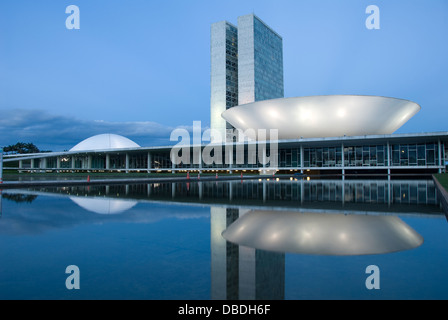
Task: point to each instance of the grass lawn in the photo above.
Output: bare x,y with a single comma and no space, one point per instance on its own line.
443,179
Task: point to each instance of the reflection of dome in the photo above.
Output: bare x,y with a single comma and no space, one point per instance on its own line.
323,234
323,116
103,205
103,142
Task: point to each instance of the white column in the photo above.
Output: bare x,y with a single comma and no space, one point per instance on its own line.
43,163
388,160
127,162
230,158
343,161
200,159
1,172
264,158
302,157
149,162
107,161
440,156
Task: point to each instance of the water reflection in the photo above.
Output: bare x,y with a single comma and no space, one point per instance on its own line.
322,234
239,272
253,225
104,205
18,198
380,195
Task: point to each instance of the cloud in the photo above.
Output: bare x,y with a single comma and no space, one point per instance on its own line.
58,132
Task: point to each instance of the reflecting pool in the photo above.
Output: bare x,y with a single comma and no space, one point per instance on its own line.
255,239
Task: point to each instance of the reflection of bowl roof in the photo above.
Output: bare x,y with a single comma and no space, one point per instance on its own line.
323,234
104,142
104,205
323,116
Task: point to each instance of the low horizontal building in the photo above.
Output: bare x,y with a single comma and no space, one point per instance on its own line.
419,153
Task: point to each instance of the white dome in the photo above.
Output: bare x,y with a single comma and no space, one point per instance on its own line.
103,142
323,116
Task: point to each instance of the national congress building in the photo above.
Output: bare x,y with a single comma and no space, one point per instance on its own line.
338,134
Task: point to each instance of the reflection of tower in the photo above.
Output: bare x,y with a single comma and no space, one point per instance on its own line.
262,274
239,272
224,256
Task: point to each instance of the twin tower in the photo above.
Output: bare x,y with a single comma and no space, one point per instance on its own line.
246,66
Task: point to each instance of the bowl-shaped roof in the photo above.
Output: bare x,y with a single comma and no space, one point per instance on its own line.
104,142
322,116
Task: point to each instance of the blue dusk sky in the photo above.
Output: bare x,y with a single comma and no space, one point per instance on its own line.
141,68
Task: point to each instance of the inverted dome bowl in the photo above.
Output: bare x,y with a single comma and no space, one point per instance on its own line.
322,116
104,205
335,234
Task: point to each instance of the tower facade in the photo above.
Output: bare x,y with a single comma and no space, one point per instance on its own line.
260,61
246,66
224,73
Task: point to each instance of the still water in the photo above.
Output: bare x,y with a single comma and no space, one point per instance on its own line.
226,240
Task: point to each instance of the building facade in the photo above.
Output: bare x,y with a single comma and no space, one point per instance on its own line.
422,153
224,73
246,66
260,61
246,72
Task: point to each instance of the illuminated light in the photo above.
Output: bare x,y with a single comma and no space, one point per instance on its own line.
306,234
341,113
323,116
305,115
273,113
308,178
241,121
290,178
278,179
